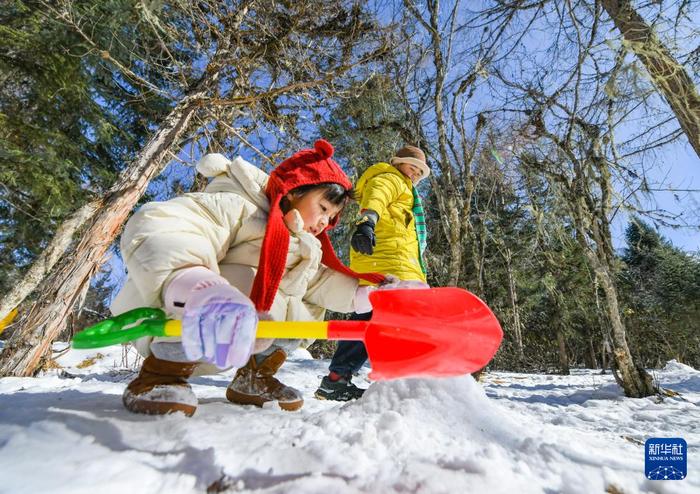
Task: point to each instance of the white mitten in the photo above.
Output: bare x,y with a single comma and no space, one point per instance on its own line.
361,301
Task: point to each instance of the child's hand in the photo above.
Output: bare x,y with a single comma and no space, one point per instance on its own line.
364,240
219,326
390,281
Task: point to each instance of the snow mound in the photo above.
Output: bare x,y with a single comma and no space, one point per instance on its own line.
674,366
457,407
402,431
301,354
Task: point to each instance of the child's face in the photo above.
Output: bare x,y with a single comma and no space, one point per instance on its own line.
411,171
316,211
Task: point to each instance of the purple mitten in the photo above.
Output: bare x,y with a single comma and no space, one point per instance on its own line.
219,326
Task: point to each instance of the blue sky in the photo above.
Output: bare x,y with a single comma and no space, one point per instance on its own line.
681,167
674,166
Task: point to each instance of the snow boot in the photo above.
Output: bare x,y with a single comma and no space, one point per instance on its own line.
255,384
342,389
161,388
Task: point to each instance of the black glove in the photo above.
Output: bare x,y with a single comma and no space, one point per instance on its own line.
364,239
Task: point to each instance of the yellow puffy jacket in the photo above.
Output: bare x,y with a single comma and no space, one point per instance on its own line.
384,189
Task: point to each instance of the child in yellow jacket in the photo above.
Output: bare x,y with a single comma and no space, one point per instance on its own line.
389,238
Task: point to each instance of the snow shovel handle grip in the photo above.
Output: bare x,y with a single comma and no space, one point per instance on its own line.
146,321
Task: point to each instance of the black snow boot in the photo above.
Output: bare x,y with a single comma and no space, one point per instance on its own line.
340,390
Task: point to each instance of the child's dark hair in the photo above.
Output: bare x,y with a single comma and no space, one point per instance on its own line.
332,192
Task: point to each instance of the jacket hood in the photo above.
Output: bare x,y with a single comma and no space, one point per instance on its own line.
236,176
373,171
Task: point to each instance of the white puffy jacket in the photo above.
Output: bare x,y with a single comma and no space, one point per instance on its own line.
222,229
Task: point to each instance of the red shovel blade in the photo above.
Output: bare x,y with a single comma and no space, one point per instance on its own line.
437,332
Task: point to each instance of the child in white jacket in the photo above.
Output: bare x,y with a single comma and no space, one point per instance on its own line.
248,247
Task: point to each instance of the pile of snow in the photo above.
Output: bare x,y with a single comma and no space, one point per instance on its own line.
66,431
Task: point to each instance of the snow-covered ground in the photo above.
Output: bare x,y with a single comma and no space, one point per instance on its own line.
67,431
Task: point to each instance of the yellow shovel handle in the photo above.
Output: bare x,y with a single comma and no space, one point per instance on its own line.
8,319
271,329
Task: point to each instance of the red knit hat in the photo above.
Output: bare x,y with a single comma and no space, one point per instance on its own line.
307,167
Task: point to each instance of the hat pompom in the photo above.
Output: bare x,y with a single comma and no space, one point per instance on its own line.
324,148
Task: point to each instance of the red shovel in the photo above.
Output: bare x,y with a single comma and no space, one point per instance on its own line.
432,332
423,332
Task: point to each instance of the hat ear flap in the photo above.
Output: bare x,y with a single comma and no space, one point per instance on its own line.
273,258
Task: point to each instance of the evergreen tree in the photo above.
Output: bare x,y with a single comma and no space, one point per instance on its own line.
68,122
661,284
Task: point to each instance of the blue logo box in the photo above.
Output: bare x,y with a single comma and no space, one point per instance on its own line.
666,458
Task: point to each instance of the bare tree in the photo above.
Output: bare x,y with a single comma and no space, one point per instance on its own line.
572,121
588,192
439,98
571,82
669,77
494,194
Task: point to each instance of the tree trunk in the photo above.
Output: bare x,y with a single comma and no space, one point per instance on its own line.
593,223
635,381
563,355
452,203
606,352
589,355
590,217
480,259
513,295
455,243
668,75
39,327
